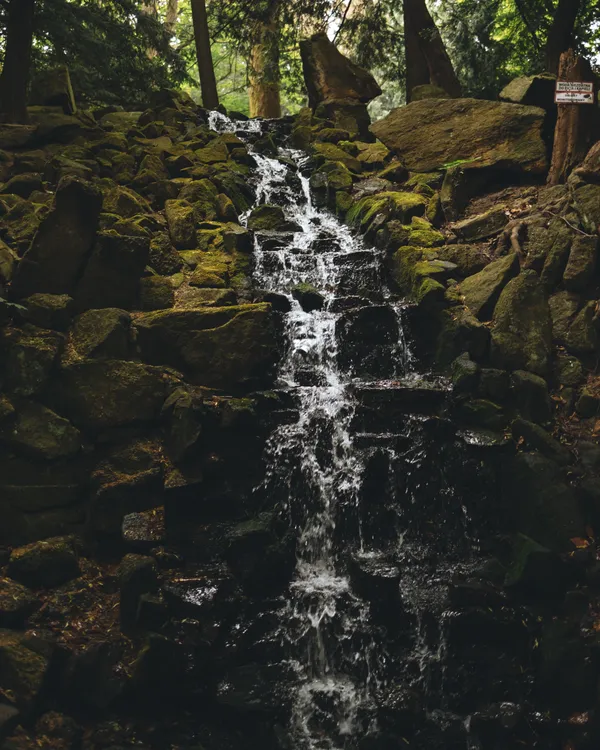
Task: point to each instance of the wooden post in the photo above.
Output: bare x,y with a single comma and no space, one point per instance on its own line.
574,134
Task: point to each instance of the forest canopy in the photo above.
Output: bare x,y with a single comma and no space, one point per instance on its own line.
118,51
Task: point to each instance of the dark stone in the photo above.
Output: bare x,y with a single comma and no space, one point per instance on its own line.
144,530
308,297
30,359
113,272
465,374
17,603
53,311
45,564
63,242
367,337
137,576
531,396
537,438
102,334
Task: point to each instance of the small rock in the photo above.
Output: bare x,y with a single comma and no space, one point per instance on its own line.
482,226
102,334
137,576
308,297
41,433
51,311
145,530
45,564
23,185
17,603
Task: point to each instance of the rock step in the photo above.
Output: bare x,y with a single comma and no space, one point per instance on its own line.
381,406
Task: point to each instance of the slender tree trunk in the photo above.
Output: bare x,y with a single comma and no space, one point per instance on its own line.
576,125
171,15
265,99
17,61
417,69
422,28
561,35
206,70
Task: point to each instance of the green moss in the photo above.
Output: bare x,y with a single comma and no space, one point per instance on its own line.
394,205
329,152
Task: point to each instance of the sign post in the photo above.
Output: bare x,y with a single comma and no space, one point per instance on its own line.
574,92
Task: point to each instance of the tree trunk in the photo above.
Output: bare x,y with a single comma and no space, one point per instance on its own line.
423,32
417,70
561,35
265,100
206,70
576,123
171,16
17,61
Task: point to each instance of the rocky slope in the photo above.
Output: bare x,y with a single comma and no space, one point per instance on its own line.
138,366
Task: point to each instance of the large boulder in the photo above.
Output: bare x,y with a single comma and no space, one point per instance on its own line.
44,564
228,347
39,432
330,75
112,275
522,334
98,394
434,133
63,242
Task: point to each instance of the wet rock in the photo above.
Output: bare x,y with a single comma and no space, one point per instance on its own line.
53,311
17,603
267,218
253,688
375,579
112,275
581,267
330,75
366,338
544,506
102,334
63,243
522,336
278,302
537,438
417,133
227,347
40,433
261,557
482,291
531,396
45,564
308,297
137,576
482,226
31,356
99,394
23,671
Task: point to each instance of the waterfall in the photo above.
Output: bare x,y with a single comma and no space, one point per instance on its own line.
349,474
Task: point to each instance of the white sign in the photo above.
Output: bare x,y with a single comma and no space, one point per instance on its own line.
574,92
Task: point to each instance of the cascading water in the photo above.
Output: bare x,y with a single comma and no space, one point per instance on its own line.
358,534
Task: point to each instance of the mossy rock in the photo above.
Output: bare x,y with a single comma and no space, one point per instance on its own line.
181,220
225,209
301,137
461,332
582,337
53,311
202,195
266,218
24,671
44,564
332,135
156,293
216,151
482,291
101,334
40,433
124,202
469,259
522,335
98,394
394,172
31,354
229,347
372,156
329,152
563,309
393,205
